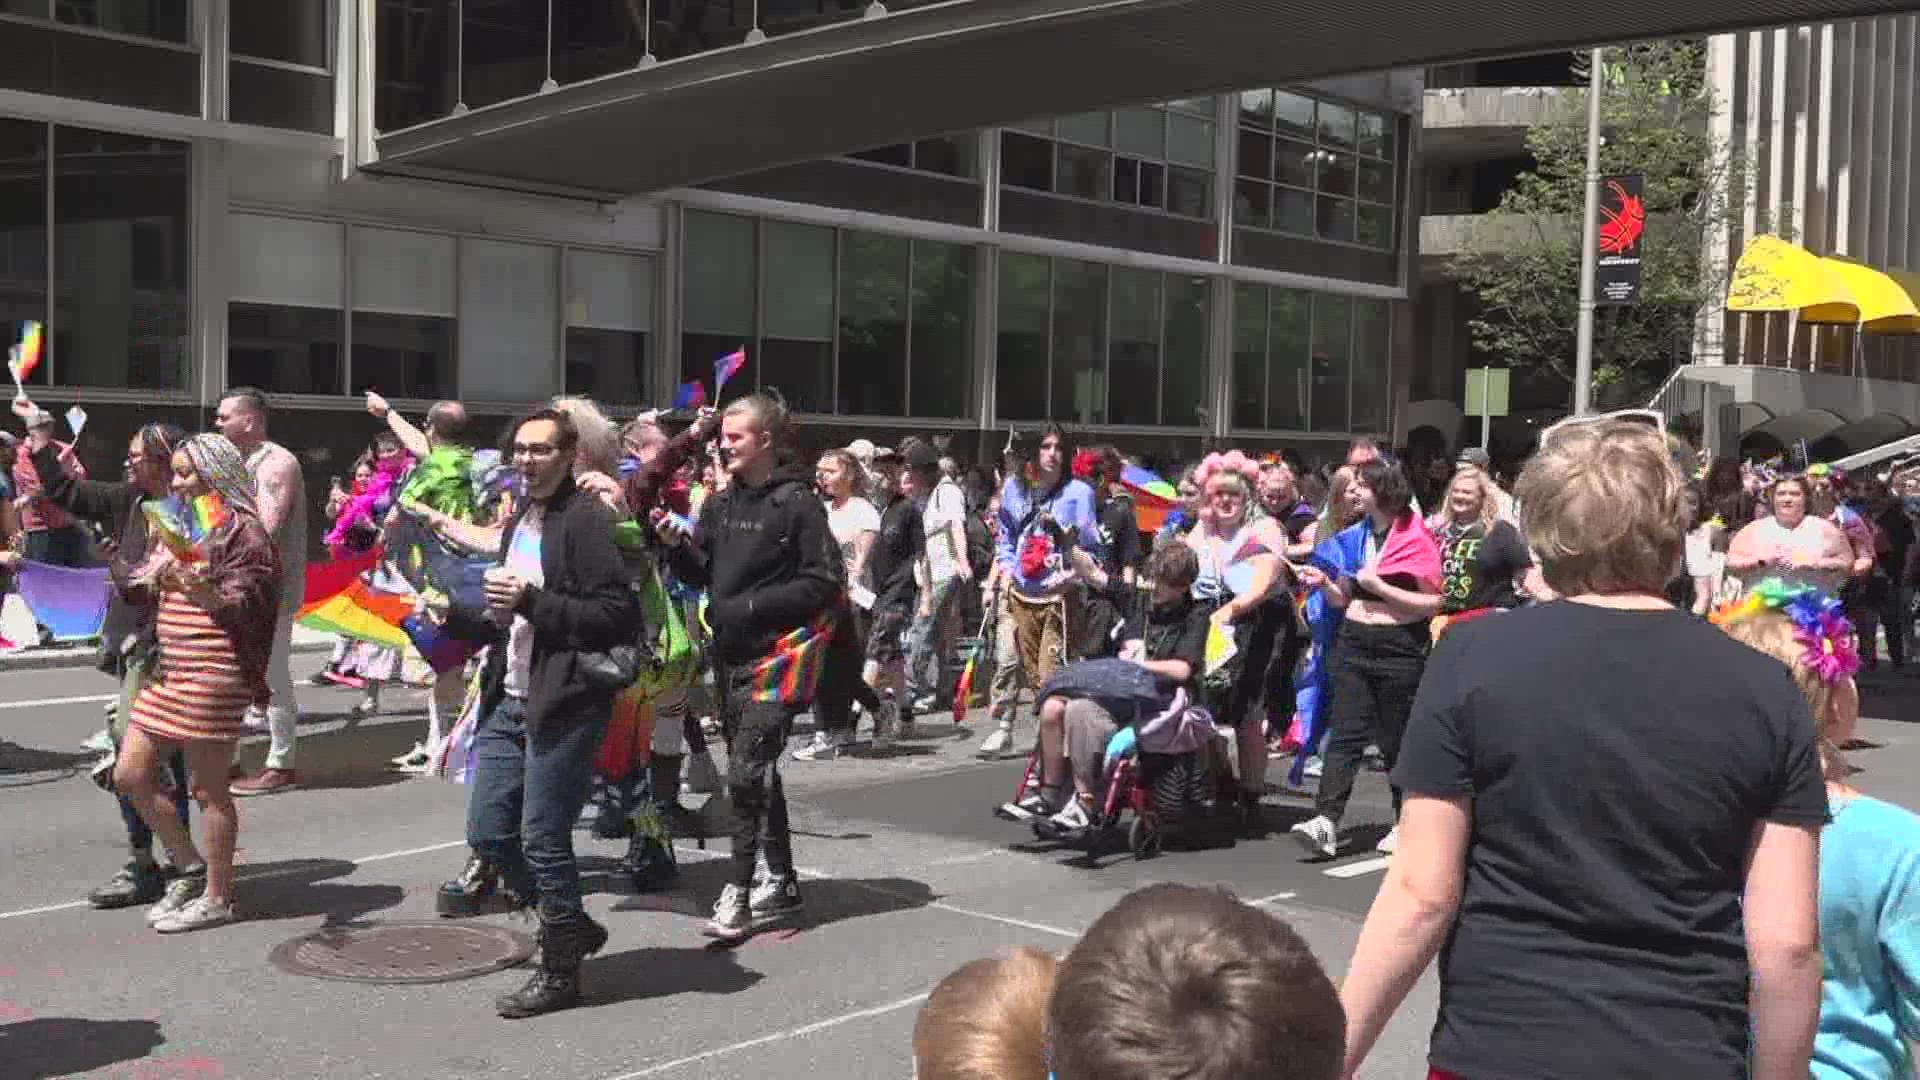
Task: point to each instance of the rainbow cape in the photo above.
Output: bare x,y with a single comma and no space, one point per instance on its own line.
338,599
1152,497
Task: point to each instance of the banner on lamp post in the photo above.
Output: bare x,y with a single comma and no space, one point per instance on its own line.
1622,222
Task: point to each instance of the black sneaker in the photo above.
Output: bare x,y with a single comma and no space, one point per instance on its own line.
136,883
775,898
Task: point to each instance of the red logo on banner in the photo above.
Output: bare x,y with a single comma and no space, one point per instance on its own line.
1622,219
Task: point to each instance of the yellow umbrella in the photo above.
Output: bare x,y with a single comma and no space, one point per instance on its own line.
1773,275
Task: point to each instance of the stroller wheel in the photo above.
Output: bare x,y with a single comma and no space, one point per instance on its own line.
1143,838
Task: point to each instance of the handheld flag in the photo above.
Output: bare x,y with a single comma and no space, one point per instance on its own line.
727,367
76,420
691,395
24,357
184,527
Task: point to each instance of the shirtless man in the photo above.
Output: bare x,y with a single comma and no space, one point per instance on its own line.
242,418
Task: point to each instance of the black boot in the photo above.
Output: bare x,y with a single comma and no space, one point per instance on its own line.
140,882
1253,819
565,941
664,775
650,862
466,894
616,800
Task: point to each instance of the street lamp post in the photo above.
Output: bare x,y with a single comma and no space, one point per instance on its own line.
1589,240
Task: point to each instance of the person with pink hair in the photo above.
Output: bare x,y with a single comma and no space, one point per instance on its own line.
1243,573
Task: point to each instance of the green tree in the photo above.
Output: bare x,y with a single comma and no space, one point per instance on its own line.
1523,259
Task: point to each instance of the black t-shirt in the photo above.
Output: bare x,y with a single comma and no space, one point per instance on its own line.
1176,631
1478,565
1119,535
1618,763
900,540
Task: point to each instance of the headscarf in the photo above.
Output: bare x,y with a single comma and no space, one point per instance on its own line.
223,468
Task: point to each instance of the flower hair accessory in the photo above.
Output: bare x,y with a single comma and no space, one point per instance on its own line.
1820,625
1085,464
1233,461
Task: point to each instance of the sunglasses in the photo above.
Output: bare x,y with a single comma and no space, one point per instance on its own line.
1652,418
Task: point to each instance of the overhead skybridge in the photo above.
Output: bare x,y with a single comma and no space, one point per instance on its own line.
664,93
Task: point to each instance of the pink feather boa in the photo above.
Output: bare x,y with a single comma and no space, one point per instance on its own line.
386,478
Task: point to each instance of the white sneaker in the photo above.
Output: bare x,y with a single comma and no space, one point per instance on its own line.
198,915
415,757
1320,836
255,719
1072,820
181,891
732,915
1035,807
1389,842
824,747
1315,765
997,743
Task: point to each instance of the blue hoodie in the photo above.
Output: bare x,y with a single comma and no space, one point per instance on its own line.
1071,509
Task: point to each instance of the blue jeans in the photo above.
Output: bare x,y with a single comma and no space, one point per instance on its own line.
925,673
528,788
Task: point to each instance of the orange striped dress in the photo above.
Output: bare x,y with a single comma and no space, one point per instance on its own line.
197,690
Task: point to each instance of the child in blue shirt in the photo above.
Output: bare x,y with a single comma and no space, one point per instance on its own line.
1869,852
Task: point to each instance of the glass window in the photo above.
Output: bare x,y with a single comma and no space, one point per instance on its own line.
403,356
1082,172
1293,114
1375,181
1376,135
1256,108
949,155
1198,106
401,272
1292,211
1294,163
1183,360
1332,345
1026,161
275,260
1079,377
1249,356
1336,174
898,154
609,312
1373,225
717,279
23,230
1290,321
163,19
290,30
286,350
1336,125
1189,193
1142,132
1333,218
1134,354
415,55
1252,204
941,345
121,255
509,298
1190,141
874,271
797,321
1372,358
1020,364
1256,154
1089,128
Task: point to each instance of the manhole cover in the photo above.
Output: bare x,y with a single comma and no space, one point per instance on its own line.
403,952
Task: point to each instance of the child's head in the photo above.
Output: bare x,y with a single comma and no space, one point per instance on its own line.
1190,982
1173,569
986,1021
1806,631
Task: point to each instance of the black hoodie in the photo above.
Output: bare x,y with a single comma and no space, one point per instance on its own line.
767,560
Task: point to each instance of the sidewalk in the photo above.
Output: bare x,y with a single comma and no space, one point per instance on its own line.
81,655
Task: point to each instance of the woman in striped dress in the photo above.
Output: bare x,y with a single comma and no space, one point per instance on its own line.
216,616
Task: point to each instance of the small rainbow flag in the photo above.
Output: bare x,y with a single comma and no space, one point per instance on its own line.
727,367
791,673
184,527
26,356
1152,497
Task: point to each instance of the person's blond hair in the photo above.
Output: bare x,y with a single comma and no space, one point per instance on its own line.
1604,509
599,446
987,1021
1489,504
1772,632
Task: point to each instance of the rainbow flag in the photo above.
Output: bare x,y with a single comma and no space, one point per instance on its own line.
727,367
184,527
25,357
791,673
70,603
441,652
338,600
691,395
1152,497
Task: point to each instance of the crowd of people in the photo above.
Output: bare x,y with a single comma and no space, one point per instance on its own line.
1611,704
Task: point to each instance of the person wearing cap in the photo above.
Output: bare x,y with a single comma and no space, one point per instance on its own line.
52,535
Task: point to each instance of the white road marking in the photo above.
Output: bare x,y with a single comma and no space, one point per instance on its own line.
1274,899
1358,869
38,702
778,1036
937,905
241,875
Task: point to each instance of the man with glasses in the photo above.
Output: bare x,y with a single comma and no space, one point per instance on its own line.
559,592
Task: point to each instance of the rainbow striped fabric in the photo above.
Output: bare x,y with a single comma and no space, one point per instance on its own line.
791,673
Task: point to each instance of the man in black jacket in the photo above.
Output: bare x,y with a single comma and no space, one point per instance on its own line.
770,566
560,591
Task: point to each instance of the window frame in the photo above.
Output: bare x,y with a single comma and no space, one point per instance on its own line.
1048,130
1248,122
1355,302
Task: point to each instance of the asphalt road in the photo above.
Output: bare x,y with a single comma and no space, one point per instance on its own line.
907,877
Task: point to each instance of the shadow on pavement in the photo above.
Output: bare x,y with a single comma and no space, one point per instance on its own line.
1890,695
24,765
658,971
302,888
62,1046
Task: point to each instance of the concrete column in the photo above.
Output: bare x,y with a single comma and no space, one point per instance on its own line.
1900,142
209,285
986,336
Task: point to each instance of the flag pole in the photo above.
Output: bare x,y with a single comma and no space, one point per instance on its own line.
1589,240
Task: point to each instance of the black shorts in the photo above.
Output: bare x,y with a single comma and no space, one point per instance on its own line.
887,631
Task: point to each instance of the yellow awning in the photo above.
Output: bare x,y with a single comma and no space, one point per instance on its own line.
1877,297
1773,275
1909,283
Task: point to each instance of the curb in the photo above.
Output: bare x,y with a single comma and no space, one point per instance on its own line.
56,659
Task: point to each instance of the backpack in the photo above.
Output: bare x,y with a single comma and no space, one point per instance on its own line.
670,660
